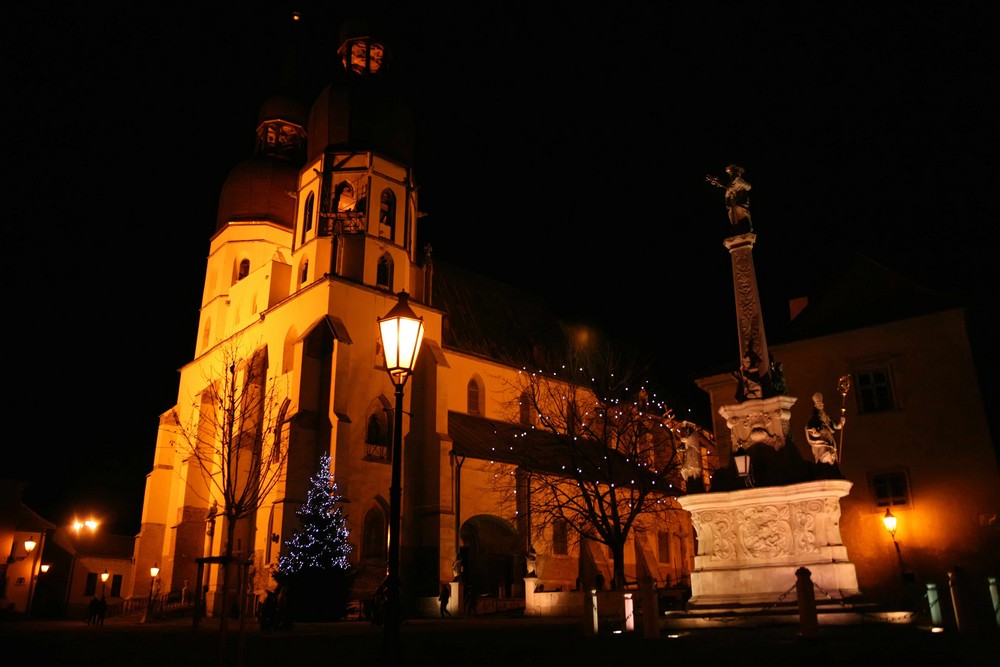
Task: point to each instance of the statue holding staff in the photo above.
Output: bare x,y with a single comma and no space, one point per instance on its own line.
737,197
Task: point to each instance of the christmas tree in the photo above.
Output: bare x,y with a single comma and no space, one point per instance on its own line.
314,566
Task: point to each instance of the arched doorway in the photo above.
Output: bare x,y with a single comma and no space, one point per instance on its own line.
491,553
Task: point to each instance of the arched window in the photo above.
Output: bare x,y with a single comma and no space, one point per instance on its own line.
304,276
375,534
378,431
307,215
244,269
383,272
387,214
474,398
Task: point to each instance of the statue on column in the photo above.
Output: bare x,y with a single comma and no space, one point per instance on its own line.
737,198
820,432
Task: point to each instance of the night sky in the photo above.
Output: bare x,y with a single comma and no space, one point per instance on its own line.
561,150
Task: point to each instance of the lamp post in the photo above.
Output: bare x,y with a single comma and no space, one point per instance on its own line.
104,581
401,333
889,521
153,571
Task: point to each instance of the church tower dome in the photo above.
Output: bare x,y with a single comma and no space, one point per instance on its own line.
258,188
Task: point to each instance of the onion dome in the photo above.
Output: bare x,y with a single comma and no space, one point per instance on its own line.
260,187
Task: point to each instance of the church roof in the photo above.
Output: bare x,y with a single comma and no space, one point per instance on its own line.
494,320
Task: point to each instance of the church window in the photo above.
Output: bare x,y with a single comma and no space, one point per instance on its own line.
244,269
307,215
663,547
474,397
383,272
304,275
375,534
560,537
527,410
387,214
377,435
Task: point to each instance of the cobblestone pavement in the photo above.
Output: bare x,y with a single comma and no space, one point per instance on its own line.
481,642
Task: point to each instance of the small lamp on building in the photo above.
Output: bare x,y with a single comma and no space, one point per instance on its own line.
401,333
889,521
29,545
104,580
45,567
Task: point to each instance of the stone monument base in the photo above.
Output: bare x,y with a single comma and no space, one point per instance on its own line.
752,541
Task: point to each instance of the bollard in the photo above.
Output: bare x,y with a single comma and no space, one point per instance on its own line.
591,616
954,583
808,622
934,603
995,596
629,613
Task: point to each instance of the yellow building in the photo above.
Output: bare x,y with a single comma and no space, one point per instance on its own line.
316,235
916,440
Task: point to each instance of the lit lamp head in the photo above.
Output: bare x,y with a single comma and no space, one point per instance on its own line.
30,544
890,522
742,461
45,567
105,575
401,332
153,571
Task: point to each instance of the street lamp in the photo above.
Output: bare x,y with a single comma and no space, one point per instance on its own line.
104,581
889,521
742,460
401,333
153,571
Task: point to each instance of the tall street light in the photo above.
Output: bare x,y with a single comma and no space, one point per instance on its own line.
153,571
104,581
401,333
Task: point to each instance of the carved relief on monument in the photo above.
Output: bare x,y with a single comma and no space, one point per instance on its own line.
765,531
716,534
759,421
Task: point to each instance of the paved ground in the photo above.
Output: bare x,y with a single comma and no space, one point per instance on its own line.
482,642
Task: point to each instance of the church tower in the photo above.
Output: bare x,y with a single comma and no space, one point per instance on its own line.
314,238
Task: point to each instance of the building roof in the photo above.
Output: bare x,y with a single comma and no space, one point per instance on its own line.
860,294
490,319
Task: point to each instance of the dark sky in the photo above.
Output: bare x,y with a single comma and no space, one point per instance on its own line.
562,150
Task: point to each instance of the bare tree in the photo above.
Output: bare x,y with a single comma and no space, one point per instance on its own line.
235,449
600,453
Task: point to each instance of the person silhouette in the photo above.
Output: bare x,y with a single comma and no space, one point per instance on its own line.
443,598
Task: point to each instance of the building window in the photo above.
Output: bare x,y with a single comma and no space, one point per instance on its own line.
377,437
91,585
663,547
375,534
474,406
890,489
387,214
560,537
116,586
244,270
307,215
527,410
304,276
383,272
874,391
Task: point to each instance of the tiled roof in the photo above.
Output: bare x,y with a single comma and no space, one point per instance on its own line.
862,293
494,320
